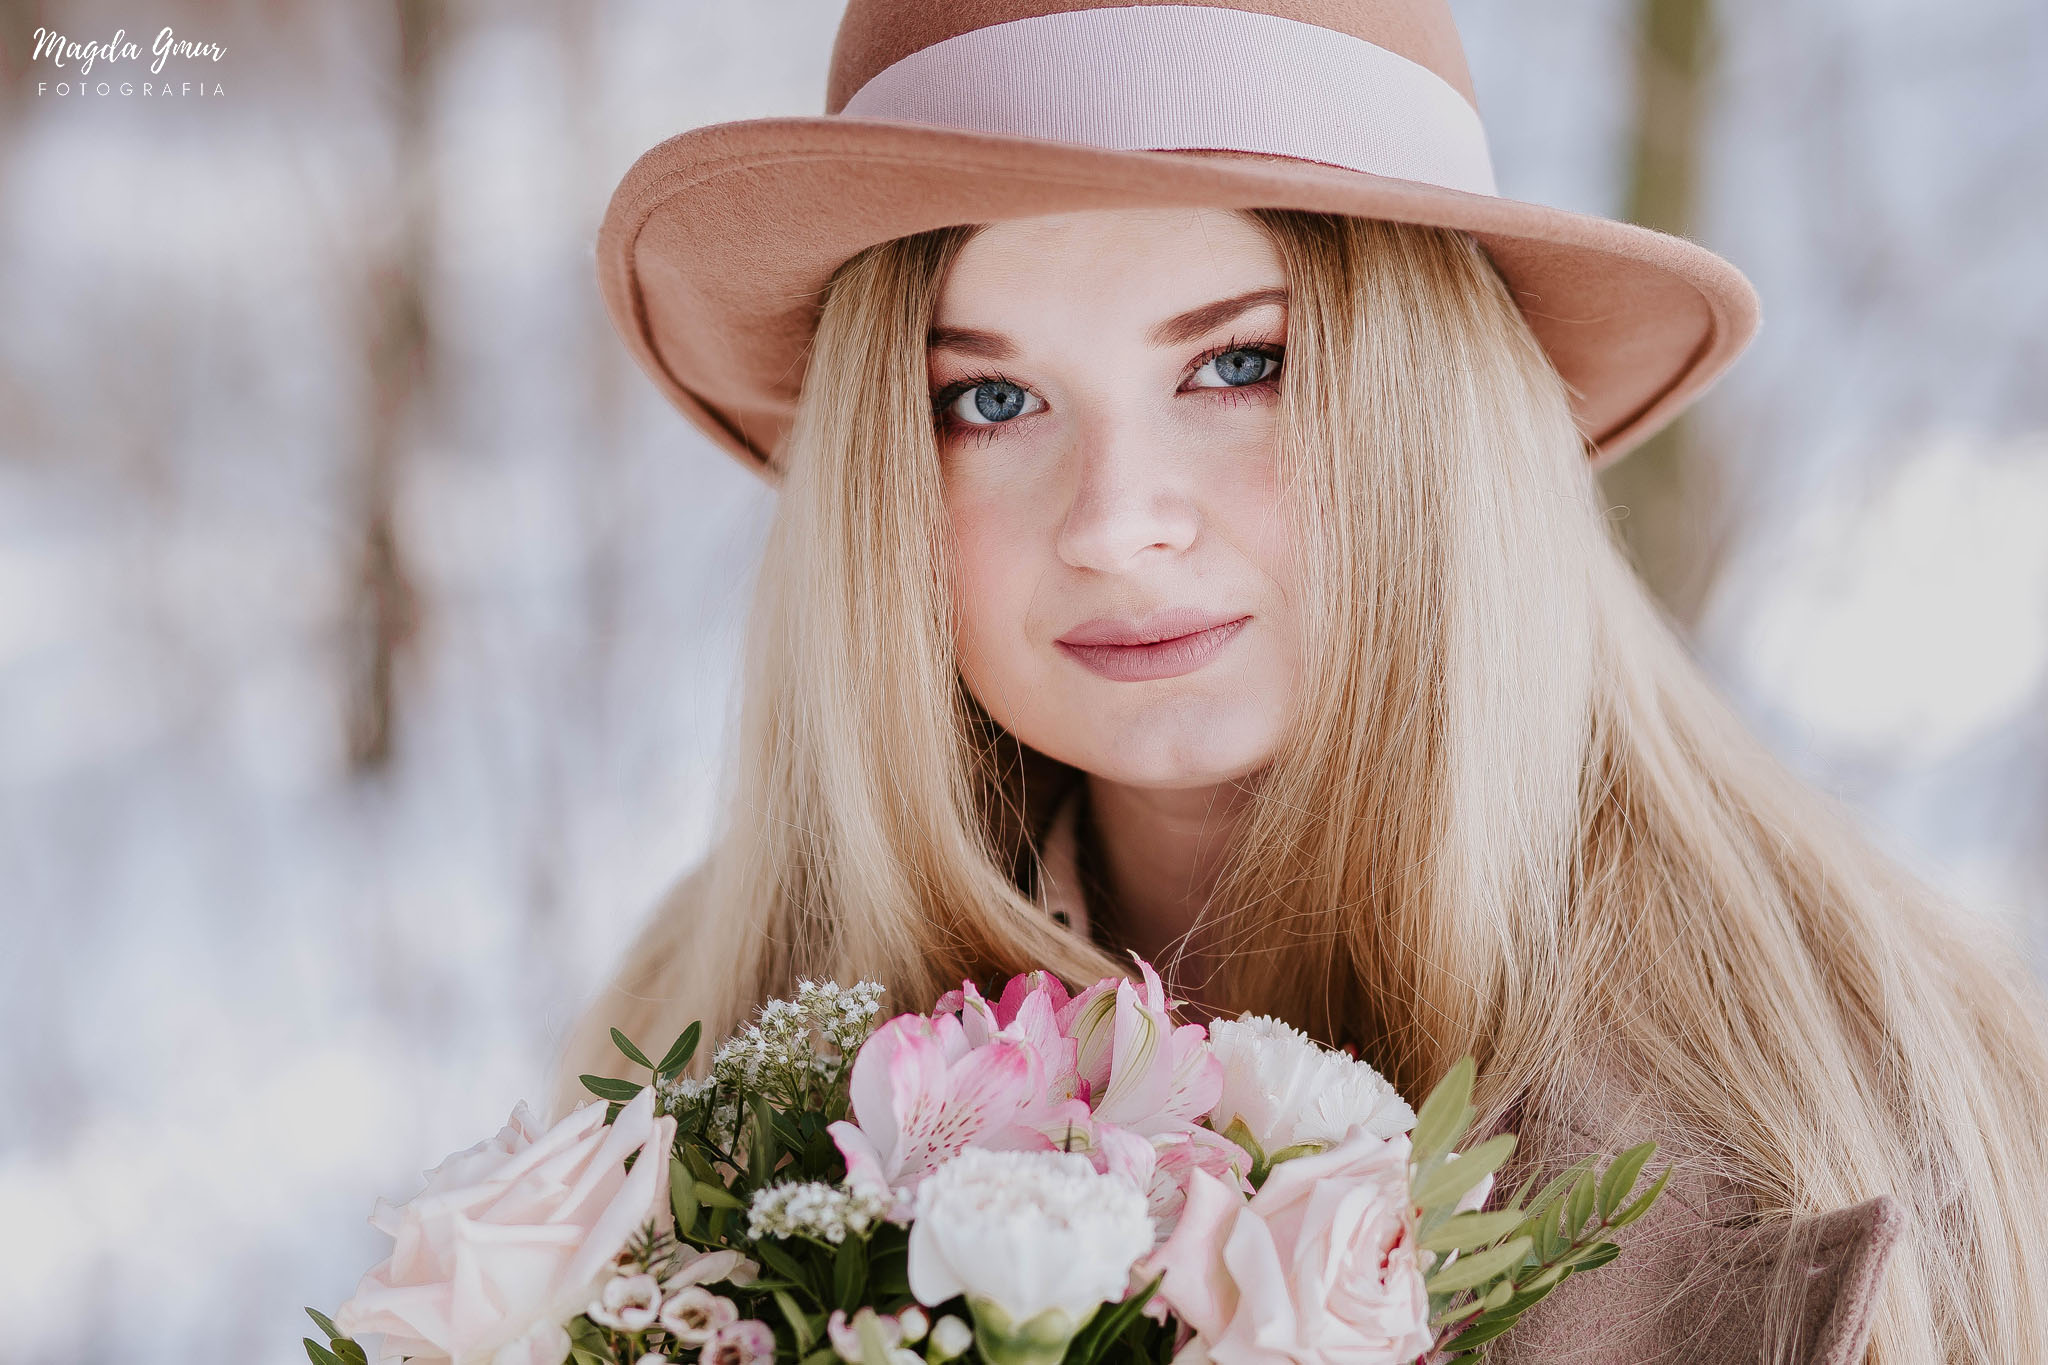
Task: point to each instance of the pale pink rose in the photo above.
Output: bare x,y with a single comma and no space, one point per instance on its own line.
512,1236
544,1343
1319,1267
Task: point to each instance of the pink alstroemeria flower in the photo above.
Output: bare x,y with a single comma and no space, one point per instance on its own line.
1142,1071
1027,1013
922,1094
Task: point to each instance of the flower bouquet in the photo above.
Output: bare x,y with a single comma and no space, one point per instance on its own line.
1039,1179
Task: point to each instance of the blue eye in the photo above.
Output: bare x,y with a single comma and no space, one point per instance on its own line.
993,401
1235,369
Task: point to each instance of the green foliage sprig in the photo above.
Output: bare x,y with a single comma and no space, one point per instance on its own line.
1491,1266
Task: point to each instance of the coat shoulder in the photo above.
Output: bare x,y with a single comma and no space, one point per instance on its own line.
1701,1277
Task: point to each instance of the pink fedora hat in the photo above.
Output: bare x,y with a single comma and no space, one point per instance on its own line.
716,245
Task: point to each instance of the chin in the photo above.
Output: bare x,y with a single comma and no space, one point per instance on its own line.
1187,752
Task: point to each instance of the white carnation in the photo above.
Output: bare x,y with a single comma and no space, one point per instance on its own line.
1289,1090
1025,1233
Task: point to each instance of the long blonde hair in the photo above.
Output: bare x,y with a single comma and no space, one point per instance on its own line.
1513,816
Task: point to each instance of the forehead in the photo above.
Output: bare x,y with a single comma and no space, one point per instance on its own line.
1141,265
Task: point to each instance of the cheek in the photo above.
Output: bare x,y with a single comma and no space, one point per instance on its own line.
995,567
1247,508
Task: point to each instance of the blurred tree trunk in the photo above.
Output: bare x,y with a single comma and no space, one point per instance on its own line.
1675,526
19,20
384,615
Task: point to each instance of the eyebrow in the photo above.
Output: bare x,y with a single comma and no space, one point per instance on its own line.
1177,330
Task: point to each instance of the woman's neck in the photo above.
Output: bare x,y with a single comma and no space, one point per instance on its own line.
1162,852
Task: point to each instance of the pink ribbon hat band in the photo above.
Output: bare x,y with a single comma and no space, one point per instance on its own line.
1175,77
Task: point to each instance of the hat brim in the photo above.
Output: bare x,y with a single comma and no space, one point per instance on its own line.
717,244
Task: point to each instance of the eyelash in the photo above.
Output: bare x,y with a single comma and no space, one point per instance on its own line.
982,433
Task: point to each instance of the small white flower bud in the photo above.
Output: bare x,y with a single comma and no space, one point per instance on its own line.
950,1337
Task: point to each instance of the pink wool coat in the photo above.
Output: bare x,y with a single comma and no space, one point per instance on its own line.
1694,1283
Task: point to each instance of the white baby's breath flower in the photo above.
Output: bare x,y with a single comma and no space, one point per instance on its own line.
681,1095
813,1208
842,1015
1035,1240
792,1043
1289,1090
628,1303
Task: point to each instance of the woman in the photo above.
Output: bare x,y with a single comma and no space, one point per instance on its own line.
1229,583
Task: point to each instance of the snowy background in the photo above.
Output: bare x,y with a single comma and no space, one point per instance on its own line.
367,622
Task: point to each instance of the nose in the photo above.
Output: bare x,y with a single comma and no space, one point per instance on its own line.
1130,498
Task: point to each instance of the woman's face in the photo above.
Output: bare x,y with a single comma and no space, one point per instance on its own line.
1107,387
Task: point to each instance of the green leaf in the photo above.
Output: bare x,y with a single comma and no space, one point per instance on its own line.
681,1051
700,1164
824,1355
682,1198
1467,1271
1526,1298
1621,1176
1479,1335
1298,1149
319,1354
1465,1231
1554,1188
633,1054
717,1196
324,1322
1241,1134
1642,1204
1584,1252
350,1353
610,1088
1542,1229
1579,1207
788,1131
1442,1119
799,1325
764,1153
1448,1183
850,1274
1602,1254
583,1355
888,1272
779,1260
1107,1325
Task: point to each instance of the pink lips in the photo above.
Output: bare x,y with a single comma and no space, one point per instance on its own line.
1165,645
